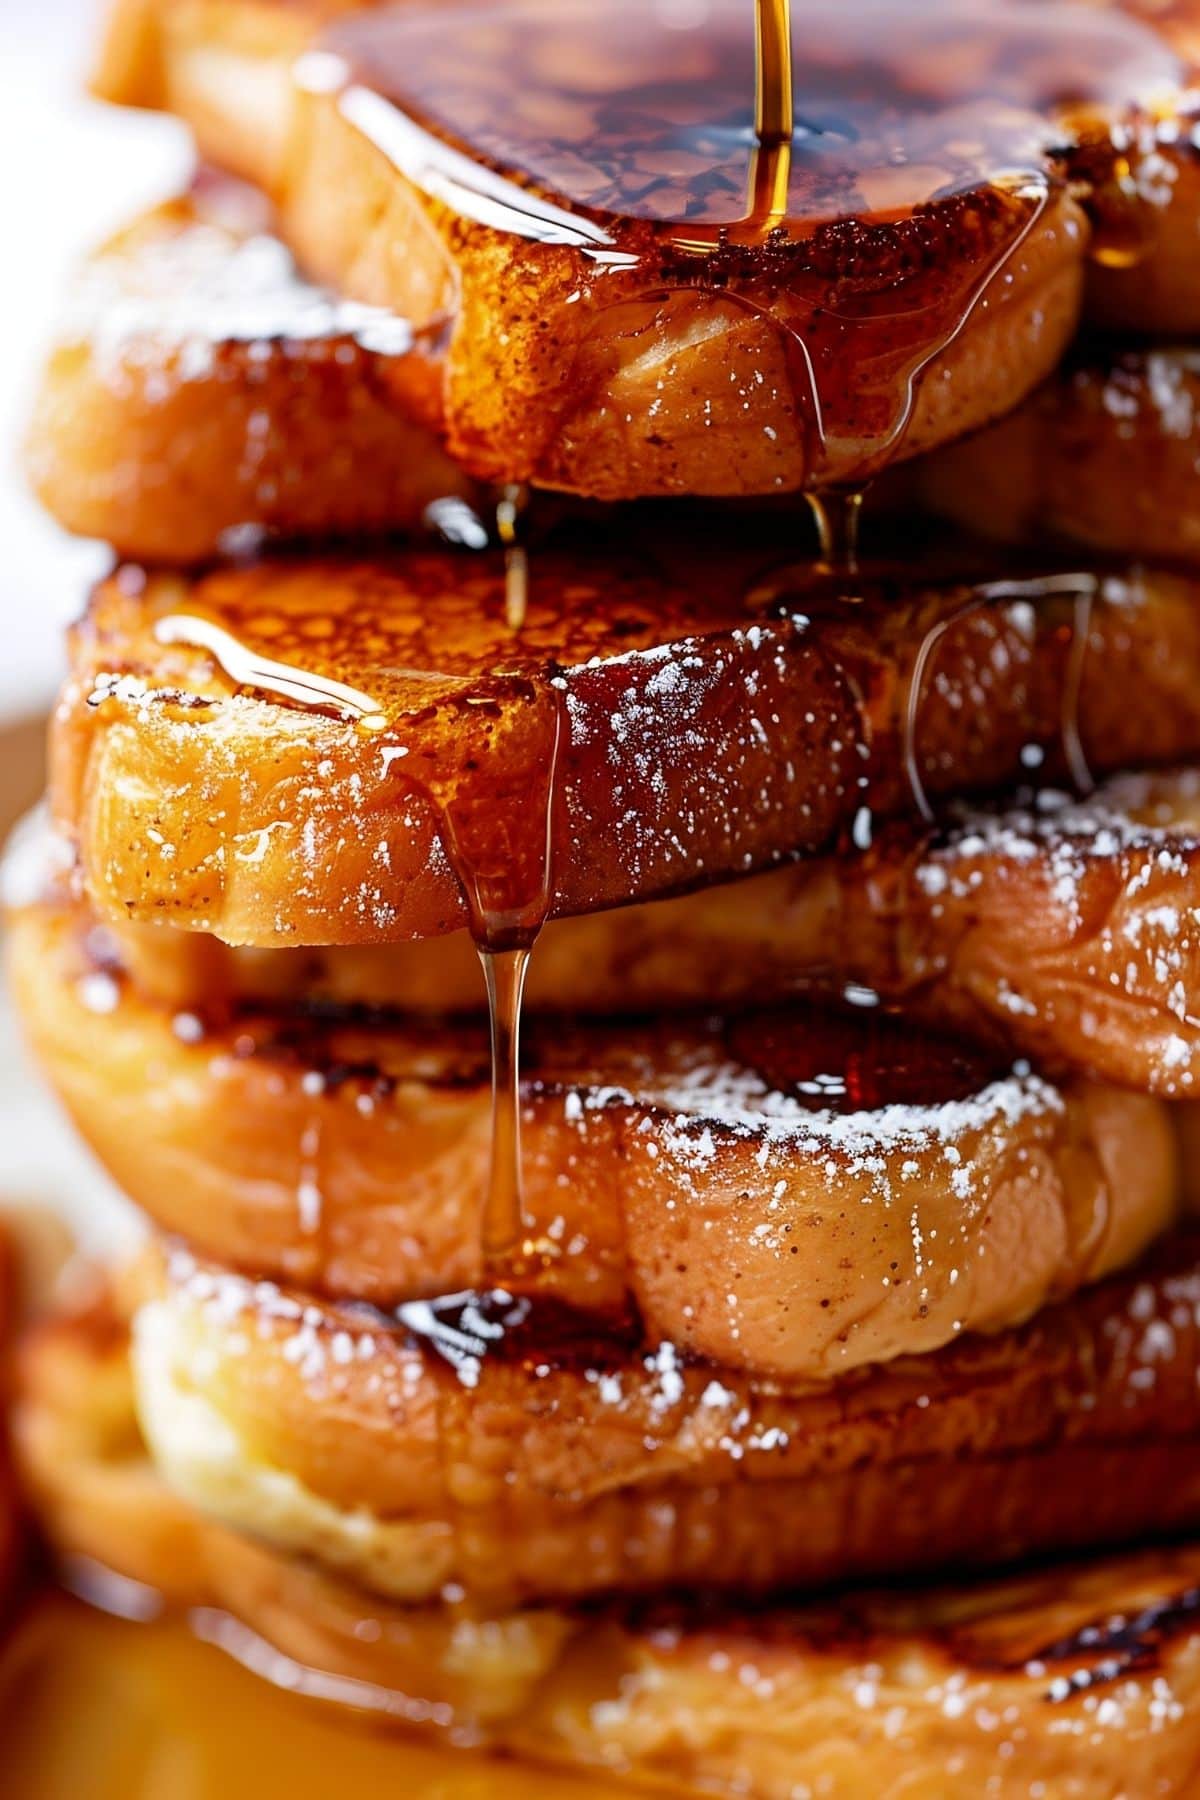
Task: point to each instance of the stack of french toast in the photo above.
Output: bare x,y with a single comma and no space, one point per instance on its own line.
622,885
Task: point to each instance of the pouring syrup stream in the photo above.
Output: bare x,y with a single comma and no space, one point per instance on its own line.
771,169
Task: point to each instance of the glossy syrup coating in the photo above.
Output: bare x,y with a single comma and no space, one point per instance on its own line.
788,1192
500,1448
666,311
1084,1673
645,341
669,716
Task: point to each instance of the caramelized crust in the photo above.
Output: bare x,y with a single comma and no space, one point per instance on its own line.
1105,454
1070,1678
541,388
655,725
787,1192
200,388
711,362
501,1447
1065,930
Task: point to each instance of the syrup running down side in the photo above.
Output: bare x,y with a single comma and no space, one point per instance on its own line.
498,845
634,175
485,772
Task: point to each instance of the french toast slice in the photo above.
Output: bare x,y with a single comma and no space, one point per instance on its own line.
1065,930
224,66
619,328
342,752
1103,454
201,392
1088,1673
506,1450
788,1192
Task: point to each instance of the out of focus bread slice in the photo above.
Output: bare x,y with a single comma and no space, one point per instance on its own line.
201,393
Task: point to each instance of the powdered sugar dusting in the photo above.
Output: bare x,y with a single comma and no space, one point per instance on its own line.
185,294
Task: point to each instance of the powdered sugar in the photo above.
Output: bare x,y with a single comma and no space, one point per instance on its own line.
181,296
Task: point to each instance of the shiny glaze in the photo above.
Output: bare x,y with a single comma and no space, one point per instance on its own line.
924,145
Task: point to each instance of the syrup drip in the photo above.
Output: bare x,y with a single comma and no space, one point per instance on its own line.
1080,589
865,215
511,509
508,887
499,847
1078,766
837,513
507,1237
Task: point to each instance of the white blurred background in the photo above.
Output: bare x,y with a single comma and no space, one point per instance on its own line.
72,170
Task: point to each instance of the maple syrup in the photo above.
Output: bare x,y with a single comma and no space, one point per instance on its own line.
865,208
521,807
159,1707
865,1060
499,845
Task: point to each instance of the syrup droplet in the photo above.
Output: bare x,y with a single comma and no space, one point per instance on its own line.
837,513
511,509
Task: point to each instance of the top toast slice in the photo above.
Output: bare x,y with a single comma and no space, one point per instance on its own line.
640,300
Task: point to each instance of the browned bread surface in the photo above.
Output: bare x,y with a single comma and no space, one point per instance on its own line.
201,391
680,711
502,1447
1064,929
787,1191
1085,1678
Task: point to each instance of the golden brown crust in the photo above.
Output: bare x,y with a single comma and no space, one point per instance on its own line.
671,1162
1060,929
551,1464
222,65
621,709
201,390
569,396
1104,454
1084,1672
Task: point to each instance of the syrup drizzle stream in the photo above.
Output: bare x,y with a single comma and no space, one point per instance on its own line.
771,166
1081,590
511,508
501,855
